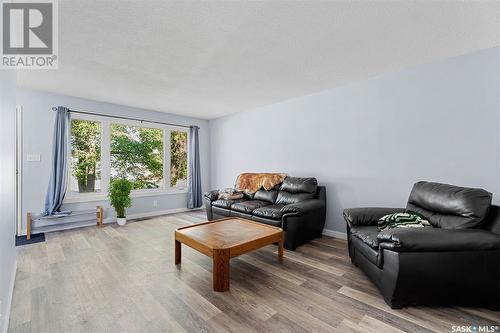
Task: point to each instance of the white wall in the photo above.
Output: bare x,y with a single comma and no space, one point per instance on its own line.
370,141
38,120
7,192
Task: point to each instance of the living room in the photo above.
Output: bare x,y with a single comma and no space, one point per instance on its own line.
250,166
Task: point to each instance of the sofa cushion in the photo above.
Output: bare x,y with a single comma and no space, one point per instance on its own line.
269,196
367,235
299,185
285,198
295,190
270,212
248,206
449,206
225,203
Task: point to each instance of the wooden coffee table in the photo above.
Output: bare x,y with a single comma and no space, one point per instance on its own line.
224,239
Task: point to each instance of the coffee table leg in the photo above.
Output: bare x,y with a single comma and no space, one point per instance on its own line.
280,251
221,269
177,252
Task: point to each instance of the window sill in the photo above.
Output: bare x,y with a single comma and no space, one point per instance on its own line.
133,194
153,193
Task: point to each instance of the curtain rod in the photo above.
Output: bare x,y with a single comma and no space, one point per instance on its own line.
126,118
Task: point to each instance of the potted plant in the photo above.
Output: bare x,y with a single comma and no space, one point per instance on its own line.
119,196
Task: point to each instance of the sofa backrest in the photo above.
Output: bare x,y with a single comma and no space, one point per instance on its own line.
448,206
294,189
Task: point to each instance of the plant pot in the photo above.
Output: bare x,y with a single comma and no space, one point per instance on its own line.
121,221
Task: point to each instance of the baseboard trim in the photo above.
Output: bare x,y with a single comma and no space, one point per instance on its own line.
335,234
5,327
153,214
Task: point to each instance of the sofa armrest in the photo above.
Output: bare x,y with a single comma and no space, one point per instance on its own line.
211,195
438,240
303,207
367,215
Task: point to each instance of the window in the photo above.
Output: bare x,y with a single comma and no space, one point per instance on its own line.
153,157
85,156
178,159
137,155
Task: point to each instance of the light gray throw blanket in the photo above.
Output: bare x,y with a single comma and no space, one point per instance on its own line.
230,194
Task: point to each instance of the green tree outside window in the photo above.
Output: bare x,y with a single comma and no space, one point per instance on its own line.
137,155
178,157
86,153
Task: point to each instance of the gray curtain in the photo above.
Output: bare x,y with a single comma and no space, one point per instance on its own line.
58,175
194,177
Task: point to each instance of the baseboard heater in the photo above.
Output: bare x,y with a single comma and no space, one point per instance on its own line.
39,223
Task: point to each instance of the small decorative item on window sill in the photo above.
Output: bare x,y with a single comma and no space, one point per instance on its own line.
61,222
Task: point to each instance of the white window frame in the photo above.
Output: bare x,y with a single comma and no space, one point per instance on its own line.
106,122
93,196
168,155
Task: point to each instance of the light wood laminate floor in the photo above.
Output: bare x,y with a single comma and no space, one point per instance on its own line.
123,279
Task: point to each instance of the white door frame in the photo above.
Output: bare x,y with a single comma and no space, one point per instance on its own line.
19,169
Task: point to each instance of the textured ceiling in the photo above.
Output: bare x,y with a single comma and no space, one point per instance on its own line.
209,59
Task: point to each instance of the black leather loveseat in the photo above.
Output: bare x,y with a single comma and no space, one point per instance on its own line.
298,205
456,261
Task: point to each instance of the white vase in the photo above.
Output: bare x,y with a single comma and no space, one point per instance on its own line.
121,220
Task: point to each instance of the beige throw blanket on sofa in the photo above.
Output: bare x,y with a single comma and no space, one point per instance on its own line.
252,182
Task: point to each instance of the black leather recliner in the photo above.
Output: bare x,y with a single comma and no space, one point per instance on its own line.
298,205
457,261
